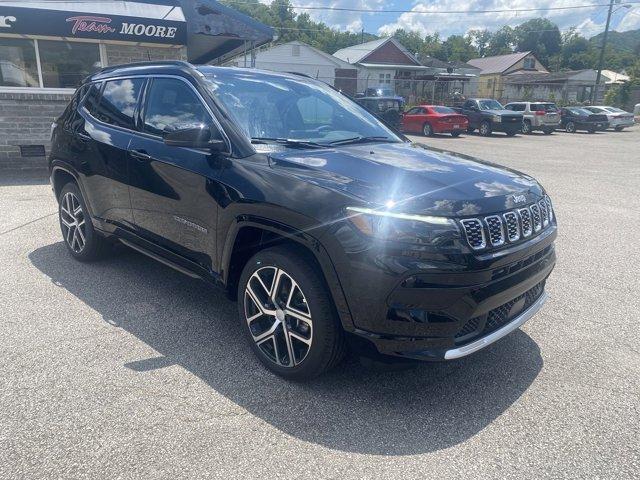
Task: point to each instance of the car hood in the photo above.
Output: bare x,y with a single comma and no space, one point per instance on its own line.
414,178
503,112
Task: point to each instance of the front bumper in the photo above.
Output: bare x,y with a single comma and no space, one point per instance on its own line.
438,315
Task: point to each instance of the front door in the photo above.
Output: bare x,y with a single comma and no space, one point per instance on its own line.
173,188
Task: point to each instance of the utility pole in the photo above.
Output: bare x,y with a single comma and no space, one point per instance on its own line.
594,93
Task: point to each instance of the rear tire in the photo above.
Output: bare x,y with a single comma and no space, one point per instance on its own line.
618,129
83,242
288,315
570,127
592,130
547,131
455,134
526,127
427,130
485,129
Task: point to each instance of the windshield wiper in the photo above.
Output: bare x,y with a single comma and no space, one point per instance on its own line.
288,142
361,139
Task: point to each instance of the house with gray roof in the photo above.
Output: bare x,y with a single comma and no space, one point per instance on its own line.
384,63
493,71
574,86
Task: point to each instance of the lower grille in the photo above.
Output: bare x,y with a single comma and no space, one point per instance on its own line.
499,316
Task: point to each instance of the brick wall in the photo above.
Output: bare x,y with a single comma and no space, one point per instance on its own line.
25,118
121,54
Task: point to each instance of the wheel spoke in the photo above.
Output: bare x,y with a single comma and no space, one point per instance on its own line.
70,234
80,235
298,315
66,222
287,339
254,298
276,284
299,337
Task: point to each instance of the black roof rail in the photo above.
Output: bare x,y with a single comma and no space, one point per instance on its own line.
302,75
151,63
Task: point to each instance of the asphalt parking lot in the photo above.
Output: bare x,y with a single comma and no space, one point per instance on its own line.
127,369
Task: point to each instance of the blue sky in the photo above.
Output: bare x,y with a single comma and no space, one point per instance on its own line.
589,21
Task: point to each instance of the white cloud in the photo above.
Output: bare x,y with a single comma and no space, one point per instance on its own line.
458,24
630,21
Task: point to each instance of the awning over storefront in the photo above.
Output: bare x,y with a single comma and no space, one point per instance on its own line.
208,29
140,21
217,32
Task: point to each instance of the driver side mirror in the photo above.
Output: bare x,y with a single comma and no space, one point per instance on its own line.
198,136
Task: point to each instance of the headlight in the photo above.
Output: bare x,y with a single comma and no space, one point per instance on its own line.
496,118
401,227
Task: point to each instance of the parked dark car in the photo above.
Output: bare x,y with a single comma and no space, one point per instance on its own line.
488,116
329,229
576,118
381,91
387,109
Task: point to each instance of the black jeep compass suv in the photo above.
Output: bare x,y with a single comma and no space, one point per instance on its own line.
329,228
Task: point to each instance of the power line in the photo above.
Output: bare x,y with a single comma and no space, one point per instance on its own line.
448,12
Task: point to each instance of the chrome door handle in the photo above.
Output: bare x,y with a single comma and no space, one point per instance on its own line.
140,154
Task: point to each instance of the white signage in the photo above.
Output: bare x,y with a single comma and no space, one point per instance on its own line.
5,22
148,30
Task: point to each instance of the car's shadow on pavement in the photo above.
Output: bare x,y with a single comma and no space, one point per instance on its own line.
352,408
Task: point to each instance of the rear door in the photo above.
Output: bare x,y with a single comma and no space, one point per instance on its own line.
102,147
173,188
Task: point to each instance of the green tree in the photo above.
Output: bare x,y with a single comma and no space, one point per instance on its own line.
540,36
481,40
502,41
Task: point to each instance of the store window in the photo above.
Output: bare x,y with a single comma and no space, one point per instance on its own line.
62,64
18,65
65,64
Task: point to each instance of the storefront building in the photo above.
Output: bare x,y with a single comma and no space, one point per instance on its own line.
47,48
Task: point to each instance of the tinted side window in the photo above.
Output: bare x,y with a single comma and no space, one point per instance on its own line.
92,98
518,107
172,105
413,111
118,102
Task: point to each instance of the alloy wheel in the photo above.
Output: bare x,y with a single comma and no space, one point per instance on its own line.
427,130
72,219
278,316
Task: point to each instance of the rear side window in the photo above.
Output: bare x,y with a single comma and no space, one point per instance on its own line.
172,105
543,107
518,107
119,101
414,111
92,98
443,110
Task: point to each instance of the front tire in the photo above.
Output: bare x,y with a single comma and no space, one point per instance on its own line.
526,127
570,127
547,131
455,134
427,130
618,129
80,238
288,315
485,129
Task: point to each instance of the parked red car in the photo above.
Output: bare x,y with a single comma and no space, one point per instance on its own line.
430,119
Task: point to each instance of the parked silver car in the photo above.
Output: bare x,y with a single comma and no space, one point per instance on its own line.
544,116
618,119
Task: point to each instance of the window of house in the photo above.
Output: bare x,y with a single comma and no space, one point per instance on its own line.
295,50
119,101
172,105
18,64
65,64
530,63
46,63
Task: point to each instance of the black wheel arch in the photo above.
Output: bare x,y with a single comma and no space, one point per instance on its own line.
250,234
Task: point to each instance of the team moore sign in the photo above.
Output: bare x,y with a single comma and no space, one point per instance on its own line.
106,27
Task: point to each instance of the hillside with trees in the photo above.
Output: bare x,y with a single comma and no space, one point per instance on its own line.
557,50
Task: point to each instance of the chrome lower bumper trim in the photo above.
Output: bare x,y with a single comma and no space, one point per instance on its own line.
498,334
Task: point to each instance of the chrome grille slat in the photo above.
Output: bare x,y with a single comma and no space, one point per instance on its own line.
512,226
544,214
525,218
536,218
496,230
474,232
508,227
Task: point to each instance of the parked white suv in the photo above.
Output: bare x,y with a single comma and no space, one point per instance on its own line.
618,119
543,116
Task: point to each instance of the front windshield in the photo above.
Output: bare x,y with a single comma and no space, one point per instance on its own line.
272,107
490,105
